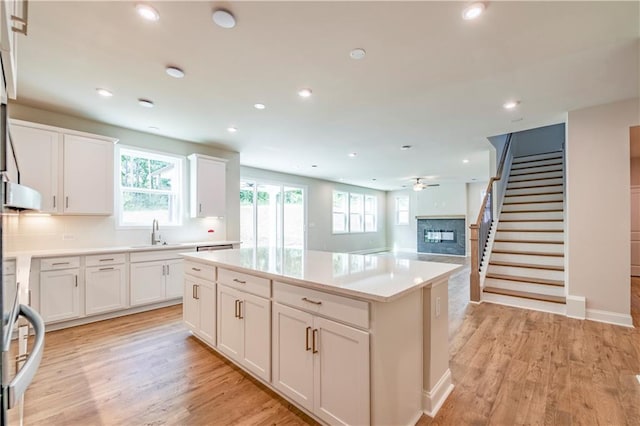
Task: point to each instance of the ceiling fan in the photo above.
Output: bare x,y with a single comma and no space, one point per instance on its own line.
419,186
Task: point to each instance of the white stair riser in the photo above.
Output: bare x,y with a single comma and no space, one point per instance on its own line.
532,206
530,247
534,198
527,258
540,182
525,170
532,236
528,158
531,215
531,163
541,190
549,290
536,305
504,226
516,178
526,272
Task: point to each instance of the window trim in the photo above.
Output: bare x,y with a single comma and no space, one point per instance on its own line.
397,210
364,196
181,193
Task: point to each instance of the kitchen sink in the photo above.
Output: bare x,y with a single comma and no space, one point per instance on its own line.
155,246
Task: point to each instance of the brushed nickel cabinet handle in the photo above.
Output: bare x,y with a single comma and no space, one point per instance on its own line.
235,314
314,340
200,208
54,201
304,299
306,339
106,269
59,263
167,269
76,277
193,291
196,269
107,260
240,302
235,280
197,291
163,274
66,202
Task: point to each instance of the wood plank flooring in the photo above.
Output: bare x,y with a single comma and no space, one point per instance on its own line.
509,366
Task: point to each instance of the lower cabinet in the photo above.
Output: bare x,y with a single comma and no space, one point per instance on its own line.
105,289
60,295
156,281
322,365
244,329
199,308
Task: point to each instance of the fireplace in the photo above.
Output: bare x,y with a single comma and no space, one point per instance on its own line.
442,235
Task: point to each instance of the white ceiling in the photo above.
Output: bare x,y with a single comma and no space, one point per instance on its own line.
429,79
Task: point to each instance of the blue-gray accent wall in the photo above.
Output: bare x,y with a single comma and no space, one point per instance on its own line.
444,247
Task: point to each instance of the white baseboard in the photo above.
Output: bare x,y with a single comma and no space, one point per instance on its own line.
371,250
576,307
415,419
609,317
432,400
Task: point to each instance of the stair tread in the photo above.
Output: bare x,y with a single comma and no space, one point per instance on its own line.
529,230
534,166
536,193
535,186
503,240
539,172
537,160
527,253
526,295
534,211
531,220
540,153
526,265
531,202
535,178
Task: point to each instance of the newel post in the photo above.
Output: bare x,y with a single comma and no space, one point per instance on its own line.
474,276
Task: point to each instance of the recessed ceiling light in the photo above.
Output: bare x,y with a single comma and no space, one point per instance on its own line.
473,11
259,106
104,92
232,129
510,104
353,154
358,53
224,18
145,103
314,165
304,93
405,147
175,72
465,161
147,12
374,179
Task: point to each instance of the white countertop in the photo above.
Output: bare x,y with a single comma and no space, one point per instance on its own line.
381,278
100,250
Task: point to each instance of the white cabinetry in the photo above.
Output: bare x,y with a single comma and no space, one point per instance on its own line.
199,307
105,284
60,289
208,186
155,277
73,171
9,41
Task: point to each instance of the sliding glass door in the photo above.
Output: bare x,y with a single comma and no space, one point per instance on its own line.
272,215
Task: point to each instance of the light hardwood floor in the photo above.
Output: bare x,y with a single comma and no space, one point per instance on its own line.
510,366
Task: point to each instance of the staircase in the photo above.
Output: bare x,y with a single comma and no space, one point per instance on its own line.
526,265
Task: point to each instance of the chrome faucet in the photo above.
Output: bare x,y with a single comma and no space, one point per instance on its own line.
155,234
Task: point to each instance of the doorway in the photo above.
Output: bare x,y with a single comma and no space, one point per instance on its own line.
272,215
635,200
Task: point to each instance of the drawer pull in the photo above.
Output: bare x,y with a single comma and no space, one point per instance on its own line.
235,280
193,291
304,299
60,263
315,337
76,278
196,269
240,309
106,269
306,339
107,260
235,314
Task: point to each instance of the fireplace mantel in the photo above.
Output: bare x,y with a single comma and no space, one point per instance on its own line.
449,216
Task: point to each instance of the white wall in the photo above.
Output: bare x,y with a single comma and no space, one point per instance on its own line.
598,208
28,233
449,199
319,212
538,140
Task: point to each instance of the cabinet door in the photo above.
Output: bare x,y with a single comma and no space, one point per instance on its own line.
292,354
341,373
190,305
36,152
174,277
211,191
59,295
256,354
229,322
88,175
105,289
207,316
147,282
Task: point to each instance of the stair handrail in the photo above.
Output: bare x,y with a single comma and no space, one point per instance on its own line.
480,229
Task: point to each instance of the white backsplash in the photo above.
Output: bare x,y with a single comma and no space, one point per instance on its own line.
31,232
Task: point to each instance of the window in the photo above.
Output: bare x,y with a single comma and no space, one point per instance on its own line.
402,210
149,187
353,212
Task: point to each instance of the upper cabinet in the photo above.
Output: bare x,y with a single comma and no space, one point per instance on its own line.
13,14
208,186
73,171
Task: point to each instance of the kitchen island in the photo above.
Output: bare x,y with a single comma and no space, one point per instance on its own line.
350,339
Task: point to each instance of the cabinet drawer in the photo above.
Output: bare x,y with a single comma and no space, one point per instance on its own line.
159,254
105,259
341,308
54,263
245,282
9,267
199,270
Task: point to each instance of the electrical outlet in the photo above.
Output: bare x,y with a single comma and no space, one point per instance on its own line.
437,307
